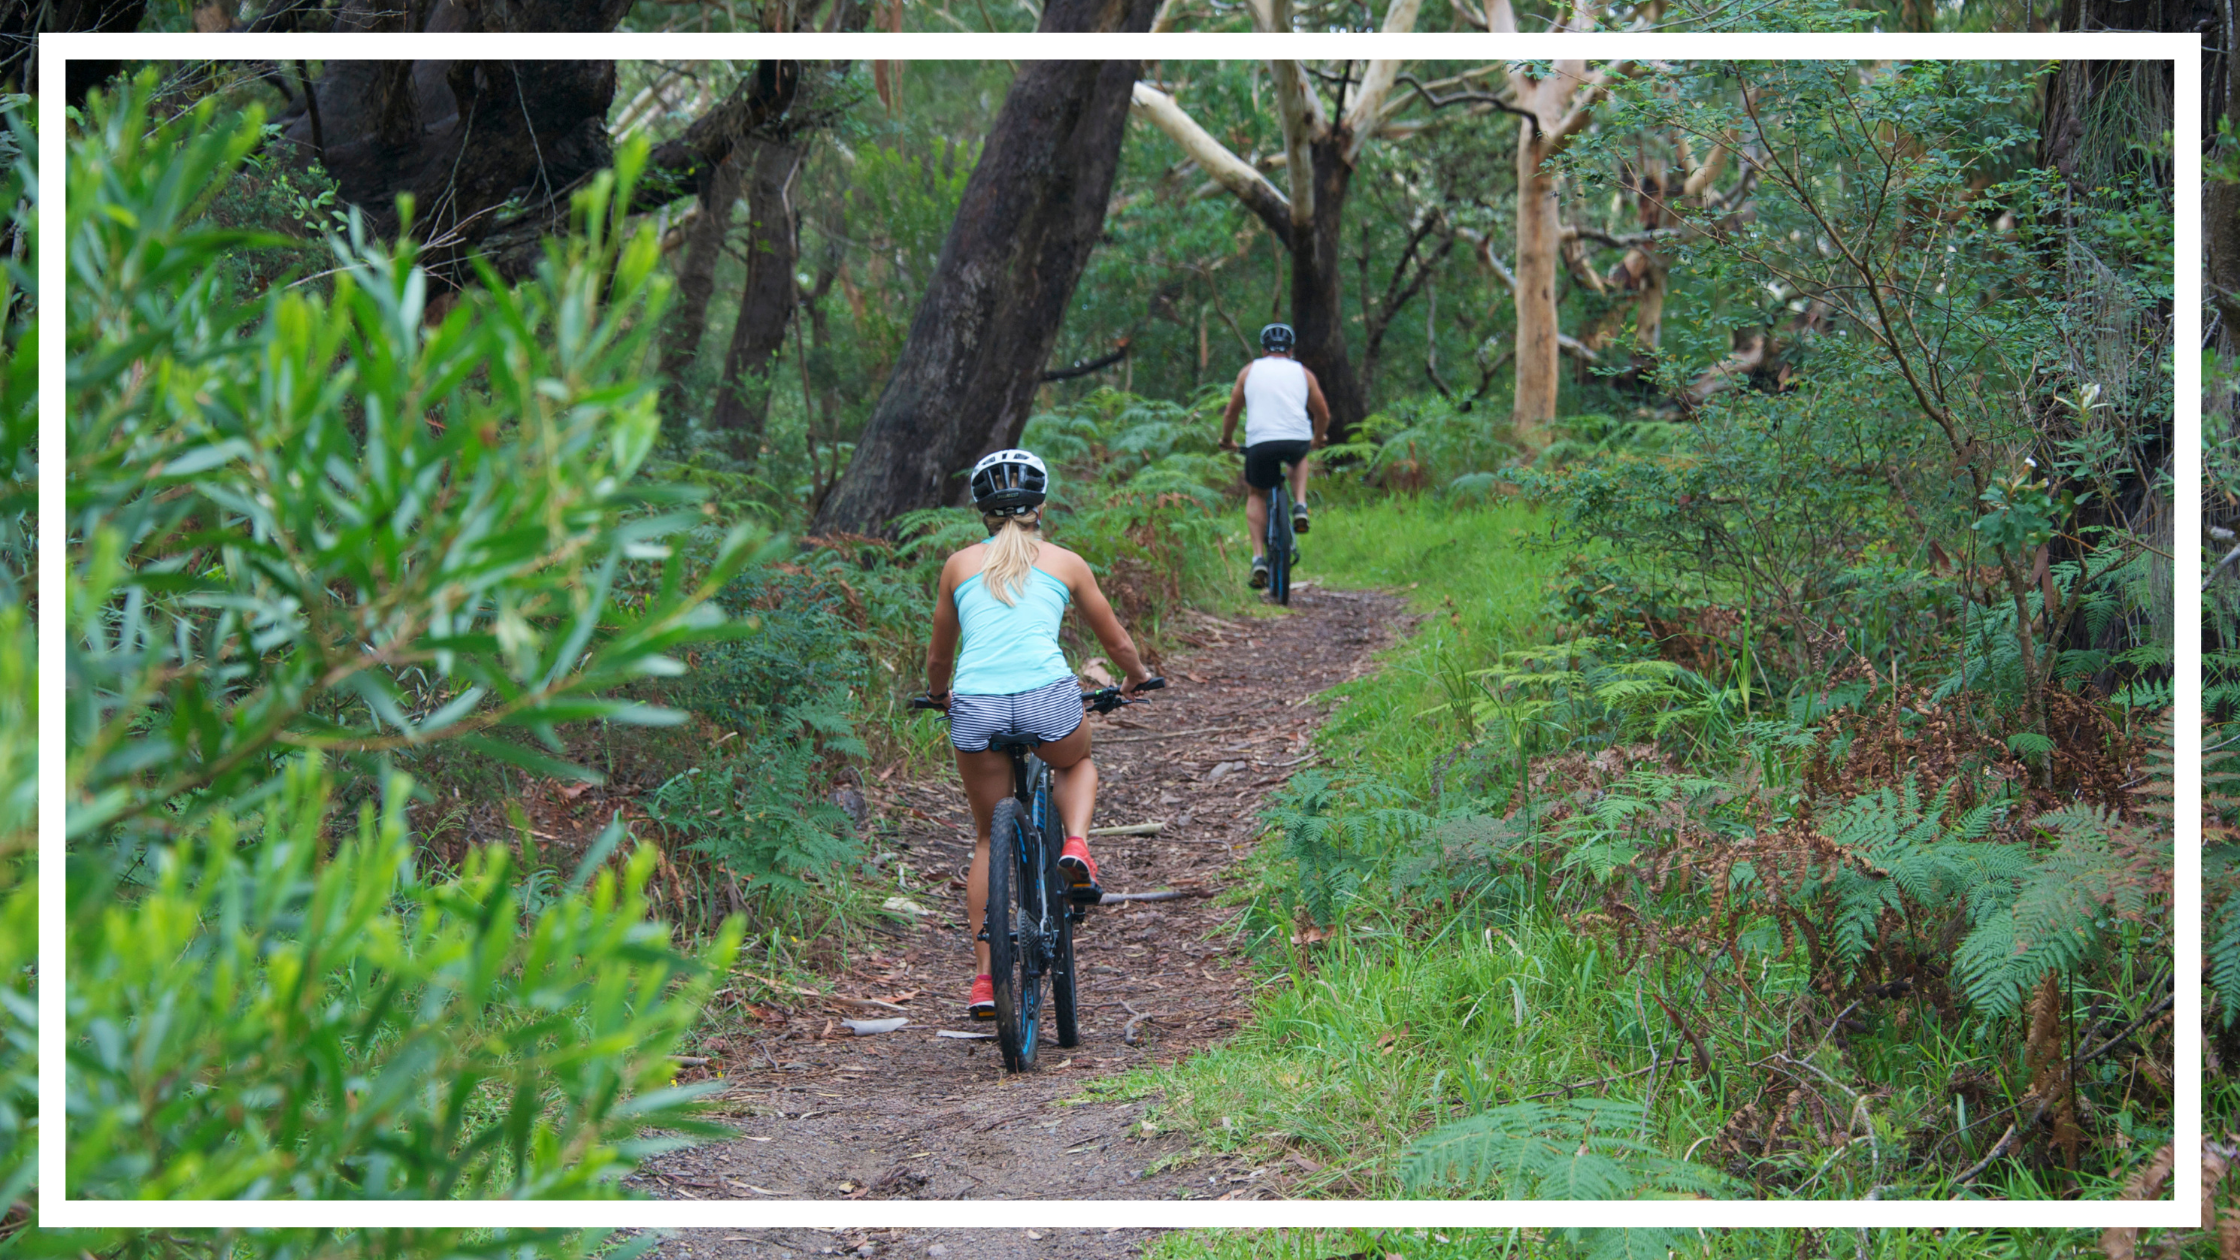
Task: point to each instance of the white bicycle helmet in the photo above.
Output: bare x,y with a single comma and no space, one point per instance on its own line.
1009,483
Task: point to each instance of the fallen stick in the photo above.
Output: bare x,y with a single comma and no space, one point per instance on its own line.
1128,1034
1132,829
1166,895
1576,1086
1007,1119
1998,1148
688,1060
872,1004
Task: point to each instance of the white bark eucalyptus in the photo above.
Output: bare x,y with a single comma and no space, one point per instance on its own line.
1321,154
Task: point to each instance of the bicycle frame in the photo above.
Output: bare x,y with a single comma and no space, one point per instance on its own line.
1038,943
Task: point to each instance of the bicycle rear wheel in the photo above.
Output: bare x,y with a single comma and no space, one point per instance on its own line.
1279,543
1059,897
1013,936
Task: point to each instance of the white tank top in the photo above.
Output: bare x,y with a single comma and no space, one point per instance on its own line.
1275,402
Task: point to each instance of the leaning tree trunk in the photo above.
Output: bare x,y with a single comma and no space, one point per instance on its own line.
696,277
1031,212
1317,315
766,300
1539,243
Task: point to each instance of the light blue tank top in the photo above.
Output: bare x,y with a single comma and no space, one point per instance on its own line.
1010,648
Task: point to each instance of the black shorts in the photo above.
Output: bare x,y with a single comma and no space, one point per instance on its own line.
1263,461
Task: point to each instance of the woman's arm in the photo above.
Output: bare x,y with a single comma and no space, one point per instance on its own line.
941,653
1103,622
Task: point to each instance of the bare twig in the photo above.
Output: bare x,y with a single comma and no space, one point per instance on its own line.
1128,1034
1132,829
1170,894
1997,1149
1574,1087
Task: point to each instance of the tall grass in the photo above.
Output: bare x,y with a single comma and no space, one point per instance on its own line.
1401,1005
1474,572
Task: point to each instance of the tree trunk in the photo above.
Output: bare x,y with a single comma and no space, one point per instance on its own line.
22,20
469,139
1031,212
766,301
1539,242
2091,133
696,278
1317,305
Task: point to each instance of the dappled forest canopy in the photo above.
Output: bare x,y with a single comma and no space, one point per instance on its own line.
1519,243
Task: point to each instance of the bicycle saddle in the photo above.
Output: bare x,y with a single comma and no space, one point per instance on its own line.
1013,739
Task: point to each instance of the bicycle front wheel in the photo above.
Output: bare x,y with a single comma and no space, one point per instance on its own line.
1014,933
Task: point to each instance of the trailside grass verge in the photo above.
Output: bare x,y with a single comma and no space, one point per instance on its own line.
1404,1011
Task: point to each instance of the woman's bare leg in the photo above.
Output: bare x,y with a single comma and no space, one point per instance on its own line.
1073,780
987,780
1256,519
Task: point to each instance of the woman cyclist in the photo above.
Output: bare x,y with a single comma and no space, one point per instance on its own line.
1005,598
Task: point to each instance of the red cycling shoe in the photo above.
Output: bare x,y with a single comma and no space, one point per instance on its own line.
983,1003
1080,870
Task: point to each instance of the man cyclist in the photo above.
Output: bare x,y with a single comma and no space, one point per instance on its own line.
1277,395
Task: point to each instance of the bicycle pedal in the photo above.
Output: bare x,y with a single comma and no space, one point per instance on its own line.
1086,894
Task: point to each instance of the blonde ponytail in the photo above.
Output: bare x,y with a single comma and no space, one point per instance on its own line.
1011,553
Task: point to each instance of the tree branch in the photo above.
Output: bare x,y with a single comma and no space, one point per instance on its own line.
1294,106
1424,92
1632,240
762,98
1589,95
1215,159
1092,365
1483,245
1362,117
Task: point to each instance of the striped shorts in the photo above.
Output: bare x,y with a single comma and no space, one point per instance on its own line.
1048,713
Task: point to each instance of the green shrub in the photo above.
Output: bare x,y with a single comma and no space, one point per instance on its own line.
324,525
318,527
761,815
275,1018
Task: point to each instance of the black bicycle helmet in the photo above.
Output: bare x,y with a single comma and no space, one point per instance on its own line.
1009,483
1278,337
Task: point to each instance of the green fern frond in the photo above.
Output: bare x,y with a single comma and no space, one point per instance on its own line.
1579,1149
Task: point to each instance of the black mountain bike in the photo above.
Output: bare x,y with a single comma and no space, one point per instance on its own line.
1031,910
1283,546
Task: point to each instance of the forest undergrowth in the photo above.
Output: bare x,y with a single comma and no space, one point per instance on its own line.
1590,897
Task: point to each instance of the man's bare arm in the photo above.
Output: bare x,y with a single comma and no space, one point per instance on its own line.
1235,408
1318,407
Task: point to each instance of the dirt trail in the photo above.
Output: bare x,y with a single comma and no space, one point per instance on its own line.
912,1115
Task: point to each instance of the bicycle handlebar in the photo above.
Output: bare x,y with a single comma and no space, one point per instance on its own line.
1106,699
